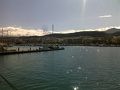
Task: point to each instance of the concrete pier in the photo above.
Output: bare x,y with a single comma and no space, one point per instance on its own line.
28,51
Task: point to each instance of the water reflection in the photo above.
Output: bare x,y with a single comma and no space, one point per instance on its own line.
75,88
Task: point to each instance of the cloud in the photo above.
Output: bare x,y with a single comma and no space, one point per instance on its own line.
105,16
18,31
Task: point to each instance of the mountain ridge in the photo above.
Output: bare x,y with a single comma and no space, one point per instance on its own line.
109,32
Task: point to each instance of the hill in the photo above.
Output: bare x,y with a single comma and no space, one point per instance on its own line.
112,30
78,34
109,32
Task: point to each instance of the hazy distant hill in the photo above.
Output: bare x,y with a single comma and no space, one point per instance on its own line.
112,30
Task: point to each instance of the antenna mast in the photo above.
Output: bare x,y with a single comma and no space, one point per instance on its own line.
52,28
2,32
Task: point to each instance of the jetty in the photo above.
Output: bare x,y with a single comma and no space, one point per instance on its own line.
44,49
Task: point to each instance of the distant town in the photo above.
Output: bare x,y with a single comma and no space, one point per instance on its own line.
110,37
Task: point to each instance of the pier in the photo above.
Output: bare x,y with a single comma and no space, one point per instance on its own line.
8,52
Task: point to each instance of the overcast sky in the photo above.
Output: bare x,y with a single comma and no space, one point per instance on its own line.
64,14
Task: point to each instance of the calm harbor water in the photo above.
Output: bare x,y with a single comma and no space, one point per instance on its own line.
75,68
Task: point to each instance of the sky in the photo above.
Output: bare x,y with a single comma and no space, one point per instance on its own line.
66,15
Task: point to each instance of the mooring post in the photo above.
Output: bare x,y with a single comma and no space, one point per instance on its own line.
18,49
30,48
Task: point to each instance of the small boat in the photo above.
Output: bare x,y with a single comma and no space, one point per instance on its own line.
56,47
